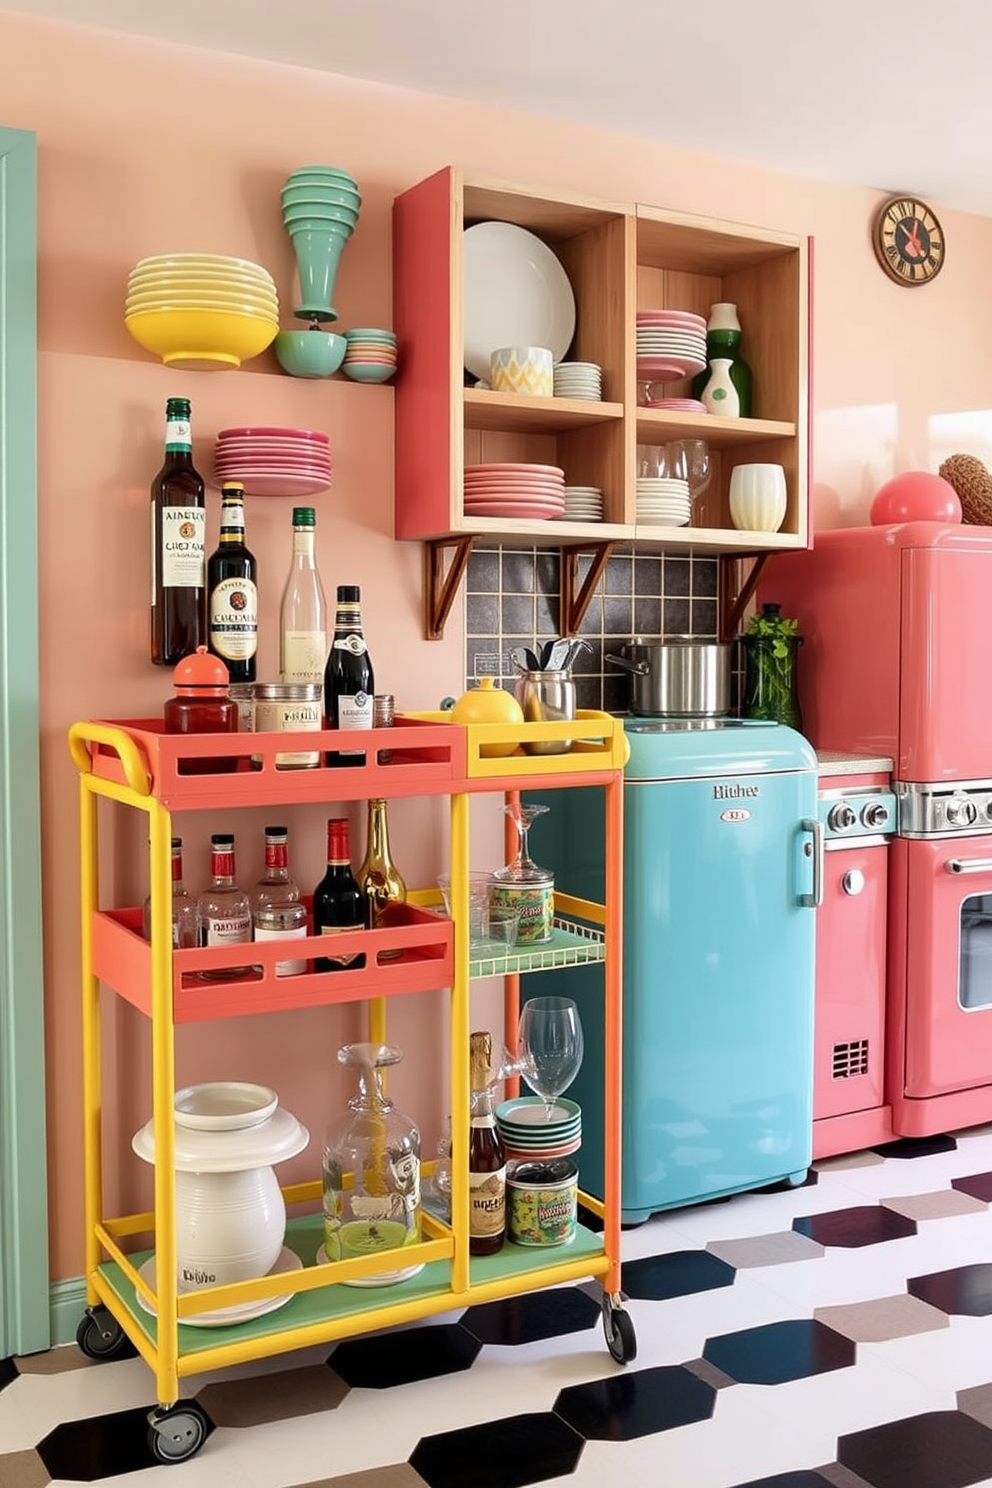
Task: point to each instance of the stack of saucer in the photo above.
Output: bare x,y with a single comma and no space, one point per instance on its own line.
578,380
677,405
583,504
370,354
663,501
528,1133
671,344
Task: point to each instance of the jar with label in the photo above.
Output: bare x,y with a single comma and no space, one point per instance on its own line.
201,705
243,693
289,708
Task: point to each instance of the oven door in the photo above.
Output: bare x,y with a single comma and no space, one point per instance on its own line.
948,945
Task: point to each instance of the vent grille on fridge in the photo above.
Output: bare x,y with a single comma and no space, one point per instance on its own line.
850,1059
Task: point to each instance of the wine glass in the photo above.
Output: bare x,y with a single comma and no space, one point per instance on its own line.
698,471
550,1042
523,865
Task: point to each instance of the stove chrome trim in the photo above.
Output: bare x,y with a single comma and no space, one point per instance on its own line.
921,808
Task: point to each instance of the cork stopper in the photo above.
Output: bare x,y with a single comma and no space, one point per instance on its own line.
481,1060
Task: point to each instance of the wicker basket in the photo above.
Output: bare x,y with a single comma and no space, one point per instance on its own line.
973,484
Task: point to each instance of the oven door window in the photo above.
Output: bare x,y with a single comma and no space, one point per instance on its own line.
975,985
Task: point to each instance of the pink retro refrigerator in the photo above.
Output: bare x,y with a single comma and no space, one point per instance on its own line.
897,661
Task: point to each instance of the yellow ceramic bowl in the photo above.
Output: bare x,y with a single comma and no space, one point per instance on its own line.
202,299
143,280
206,337
219,261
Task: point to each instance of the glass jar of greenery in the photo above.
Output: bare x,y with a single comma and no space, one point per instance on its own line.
771,647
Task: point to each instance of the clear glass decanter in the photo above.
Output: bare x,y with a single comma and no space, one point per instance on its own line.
371,1171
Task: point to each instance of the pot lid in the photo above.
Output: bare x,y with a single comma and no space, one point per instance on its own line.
231,1151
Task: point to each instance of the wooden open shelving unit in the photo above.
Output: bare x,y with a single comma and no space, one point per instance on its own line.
619,257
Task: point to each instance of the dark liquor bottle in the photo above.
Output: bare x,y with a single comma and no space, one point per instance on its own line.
232,590
178,546
338,902
349,682
486,1156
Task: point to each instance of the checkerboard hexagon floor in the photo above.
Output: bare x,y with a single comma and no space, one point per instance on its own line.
837,1335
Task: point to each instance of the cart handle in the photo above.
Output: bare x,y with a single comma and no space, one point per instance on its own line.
82,735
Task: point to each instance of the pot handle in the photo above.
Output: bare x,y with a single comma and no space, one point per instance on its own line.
639,668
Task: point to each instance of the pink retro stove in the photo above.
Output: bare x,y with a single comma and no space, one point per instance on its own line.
897,661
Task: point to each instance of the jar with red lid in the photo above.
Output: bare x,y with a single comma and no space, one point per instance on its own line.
202,705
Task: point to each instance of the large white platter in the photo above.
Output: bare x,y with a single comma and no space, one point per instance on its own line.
516,293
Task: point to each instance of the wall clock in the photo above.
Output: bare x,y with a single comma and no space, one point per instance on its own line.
908,241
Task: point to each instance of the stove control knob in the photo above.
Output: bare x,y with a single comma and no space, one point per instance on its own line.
842,817
961,813
875,815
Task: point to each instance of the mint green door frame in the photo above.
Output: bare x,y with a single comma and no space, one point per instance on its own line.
24,1281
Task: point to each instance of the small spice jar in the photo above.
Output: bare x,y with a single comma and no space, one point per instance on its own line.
542,1202
201,705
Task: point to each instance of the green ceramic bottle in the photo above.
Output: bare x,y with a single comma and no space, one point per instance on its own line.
723,342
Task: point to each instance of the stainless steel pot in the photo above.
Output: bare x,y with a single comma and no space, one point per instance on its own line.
680,677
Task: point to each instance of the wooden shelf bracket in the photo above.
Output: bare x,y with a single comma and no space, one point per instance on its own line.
440,587
575,599
736,589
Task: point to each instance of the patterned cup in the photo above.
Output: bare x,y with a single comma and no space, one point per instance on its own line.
523,369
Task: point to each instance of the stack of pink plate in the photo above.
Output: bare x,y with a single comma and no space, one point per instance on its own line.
677,405
670,344
274,462
514,491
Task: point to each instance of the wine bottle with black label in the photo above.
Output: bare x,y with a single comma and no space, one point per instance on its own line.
349,682
233,591
178,546
338,902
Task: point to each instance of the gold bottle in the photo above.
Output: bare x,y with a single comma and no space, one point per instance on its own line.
378,877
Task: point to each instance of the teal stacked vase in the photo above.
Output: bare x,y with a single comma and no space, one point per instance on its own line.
320,207
726,386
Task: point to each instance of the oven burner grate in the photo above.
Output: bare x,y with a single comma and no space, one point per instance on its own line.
850,1059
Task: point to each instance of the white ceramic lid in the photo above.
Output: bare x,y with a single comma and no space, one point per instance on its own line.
224,1105
274,1140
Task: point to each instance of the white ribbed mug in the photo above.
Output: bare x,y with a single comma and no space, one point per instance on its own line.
758,497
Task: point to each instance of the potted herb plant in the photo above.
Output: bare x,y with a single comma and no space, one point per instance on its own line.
771,645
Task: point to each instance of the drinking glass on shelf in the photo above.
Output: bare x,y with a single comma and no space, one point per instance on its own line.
694,455
652,460
550,1045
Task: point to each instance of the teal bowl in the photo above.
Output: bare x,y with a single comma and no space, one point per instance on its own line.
291,195
309,353
322,172
317,232
368,371
301,213
370,333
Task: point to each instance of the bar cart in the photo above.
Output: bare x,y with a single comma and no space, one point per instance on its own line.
137,766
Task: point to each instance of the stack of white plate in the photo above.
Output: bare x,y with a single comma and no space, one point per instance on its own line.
671,344
578,380
508,490
583,504
663,501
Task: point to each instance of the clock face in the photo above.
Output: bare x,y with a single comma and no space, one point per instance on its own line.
908,241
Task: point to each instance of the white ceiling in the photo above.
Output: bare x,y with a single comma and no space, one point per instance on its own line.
891,94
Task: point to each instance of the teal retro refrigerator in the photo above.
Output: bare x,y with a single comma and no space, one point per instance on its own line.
722,869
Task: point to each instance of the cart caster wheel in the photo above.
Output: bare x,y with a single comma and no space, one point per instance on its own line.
176,1434
101,1337
621,1340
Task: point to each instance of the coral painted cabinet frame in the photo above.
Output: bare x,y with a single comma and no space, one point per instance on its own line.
24,1282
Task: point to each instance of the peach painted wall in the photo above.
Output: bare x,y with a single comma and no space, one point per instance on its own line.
147,148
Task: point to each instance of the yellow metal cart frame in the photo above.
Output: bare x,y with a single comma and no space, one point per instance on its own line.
136,765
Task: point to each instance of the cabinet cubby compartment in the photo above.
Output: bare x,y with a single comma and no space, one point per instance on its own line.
618,257
135,765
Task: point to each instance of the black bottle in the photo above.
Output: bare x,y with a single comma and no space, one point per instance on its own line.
232,605
178,516
349,682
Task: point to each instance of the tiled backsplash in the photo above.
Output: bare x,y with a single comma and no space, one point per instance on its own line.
512,600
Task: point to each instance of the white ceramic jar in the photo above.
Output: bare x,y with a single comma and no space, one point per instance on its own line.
758,497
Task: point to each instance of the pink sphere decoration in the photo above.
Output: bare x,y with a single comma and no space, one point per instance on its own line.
915,496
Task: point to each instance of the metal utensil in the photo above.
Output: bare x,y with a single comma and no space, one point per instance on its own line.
556,654
524,660
574,647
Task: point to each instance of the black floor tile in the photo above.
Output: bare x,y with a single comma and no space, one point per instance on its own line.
978,1185
910,1147
942,1449
500,1454
535,1315
801,1479
8,1372
636,1403
100,1446
777,1352
401,1358
679,1274
868,1224
963,1290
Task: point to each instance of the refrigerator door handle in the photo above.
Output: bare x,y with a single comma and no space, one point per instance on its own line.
814,826
968,865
